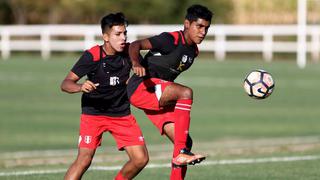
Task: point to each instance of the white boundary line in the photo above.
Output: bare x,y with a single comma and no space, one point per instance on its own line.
165,165
161,147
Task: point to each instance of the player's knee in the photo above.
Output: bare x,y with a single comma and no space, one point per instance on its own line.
140,161
187,93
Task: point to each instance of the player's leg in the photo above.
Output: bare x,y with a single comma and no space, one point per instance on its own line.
168,130
175,92
89,140
182,95
138,159
156,95
177,173
81,164
128,136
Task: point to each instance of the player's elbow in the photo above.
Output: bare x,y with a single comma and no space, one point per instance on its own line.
64,86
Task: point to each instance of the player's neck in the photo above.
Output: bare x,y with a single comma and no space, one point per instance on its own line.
108,50
187,38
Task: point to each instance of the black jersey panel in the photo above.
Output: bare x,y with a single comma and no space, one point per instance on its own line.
111,72
84,65
162,43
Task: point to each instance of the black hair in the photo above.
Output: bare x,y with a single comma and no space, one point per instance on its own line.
113,20
198,11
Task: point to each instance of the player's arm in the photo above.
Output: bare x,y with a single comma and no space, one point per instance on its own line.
134,53
70,85
84,65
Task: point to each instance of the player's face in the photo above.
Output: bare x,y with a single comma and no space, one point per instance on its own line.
116,38
197,30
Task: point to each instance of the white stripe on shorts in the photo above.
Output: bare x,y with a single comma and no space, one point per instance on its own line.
158,91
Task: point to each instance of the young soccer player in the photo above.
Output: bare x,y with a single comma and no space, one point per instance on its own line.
152,88
105,105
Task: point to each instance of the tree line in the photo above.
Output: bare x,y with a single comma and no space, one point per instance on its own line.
90,11
149,11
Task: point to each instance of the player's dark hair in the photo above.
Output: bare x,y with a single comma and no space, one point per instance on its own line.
198,11
113,20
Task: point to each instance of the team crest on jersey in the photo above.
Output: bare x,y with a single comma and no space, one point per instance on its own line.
87,139
184,59
114,80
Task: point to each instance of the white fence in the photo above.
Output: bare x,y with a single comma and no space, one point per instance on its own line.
221,39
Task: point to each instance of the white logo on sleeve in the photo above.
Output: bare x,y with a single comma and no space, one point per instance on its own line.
114,80
184,58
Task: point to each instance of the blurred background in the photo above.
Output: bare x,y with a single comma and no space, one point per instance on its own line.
154,12
275,138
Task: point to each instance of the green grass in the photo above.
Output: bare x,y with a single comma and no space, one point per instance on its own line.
36,115
291,171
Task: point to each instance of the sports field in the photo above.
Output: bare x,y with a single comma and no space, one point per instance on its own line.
275,138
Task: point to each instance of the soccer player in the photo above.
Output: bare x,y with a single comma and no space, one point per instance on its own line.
152,88
105,104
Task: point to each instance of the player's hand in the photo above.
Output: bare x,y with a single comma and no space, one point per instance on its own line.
88,86
139,70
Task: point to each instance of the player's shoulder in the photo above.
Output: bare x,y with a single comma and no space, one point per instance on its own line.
94,52
176,35
179,35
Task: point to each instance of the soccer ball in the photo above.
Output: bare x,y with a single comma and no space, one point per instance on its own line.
259,84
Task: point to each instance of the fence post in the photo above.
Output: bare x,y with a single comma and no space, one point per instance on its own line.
267,46
302,34
45,44
315,44
89,39
220,45
132,35
5,44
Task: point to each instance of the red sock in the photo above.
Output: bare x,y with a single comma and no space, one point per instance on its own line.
181,129
181,124
178,173
120,177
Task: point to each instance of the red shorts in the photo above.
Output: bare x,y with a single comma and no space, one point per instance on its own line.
125,131
161,117
146,97
148,93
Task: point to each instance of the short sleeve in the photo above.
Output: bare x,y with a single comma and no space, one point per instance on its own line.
163,43
84,65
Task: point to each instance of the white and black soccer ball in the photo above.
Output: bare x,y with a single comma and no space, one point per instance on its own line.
259,84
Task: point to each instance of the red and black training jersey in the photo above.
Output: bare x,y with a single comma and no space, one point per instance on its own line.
170,55
111,72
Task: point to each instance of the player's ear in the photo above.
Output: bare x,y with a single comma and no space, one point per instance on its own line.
105,37
186,24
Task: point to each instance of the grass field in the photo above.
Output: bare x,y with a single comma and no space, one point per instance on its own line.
275,138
